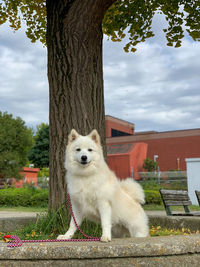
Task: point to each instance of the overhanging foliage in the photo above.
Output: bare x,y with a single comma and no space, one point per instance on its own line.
124,18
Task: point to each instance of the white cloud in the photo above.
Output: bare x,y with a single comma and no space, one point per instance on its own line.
113,70
23,79
157,88
161,88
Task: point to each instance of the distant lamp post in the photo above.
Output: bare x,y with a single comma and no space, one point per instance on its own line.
31,166
178,163
154,159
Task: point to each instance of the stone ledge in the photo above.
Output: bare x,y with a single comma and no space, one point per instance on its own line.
11,224
152,251
118,248
166,261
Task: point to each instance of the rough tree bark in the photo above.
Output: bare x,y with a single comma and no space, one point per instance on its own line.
74,45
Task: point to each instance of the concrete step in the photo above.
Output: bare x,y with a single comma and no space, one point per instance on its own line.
152,251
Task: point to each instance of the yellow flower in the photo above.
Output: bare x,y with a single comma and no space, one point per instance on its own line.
33,233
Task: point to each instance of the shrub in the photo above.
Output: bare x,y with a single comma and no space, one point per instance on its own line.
150,184
23,197
40,199
152,197
27,197
149,165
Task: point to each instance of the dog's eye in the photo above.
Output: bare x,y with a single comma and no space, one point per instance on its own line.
90,150
78,149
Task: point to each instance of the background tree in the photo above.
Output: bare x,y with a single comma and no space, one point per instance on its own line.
39,153
149,165
74,32
15,141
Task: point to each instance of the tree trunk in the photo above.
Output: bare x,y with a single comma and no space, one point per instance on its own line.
74,44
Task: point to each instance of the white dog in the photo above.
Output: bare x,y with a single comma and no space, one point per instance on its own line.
96,193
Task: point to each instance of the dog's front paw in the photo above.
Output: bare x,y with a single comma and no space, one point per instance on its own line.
63,237
105,239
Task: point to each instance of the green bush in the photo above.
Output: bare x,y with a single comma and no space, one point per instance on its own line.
150,165
24,197
152,197
27,197
40,199
150,184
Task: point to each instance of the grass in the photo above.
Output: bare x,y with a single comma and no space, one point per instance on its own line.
31,233
153,207
159,231
174,208
51,225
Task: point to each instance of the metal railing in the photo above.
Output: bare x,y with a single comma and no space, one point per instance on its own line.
168,179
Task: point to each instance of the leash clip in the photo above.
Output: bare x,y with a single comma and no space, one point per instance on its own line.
15,242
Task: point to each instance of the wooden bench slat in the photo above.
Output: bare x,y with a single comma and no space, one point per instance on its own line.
198,196
177,198
187,214
181,198
174,192
178,203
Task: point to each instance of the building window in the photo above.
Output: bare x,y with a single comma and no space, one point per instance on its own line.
115,133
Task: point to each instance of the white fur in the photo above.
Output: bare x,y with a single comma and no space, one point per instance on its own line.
96,193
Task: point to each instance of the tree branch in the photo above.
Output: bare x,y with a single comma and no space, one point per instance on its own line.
107,4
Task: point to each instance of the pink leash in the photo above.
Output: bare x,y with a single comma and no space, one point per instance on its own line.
17,242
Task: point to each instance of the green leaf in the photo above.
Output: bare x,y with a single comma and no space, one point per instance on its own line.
125,18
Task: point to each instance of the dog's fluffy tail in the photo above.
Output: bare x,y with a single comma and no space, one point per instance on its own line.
133,189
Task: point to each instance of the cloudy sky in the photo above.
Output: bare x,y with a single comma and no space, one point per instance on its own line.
157,88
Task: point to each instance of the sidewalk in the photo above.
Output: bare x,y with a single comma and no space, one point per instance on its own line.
13,214
11,220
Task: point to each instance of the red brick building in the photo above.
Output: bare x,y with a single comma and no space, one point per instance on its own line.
171,147
29,176
126,160
118,127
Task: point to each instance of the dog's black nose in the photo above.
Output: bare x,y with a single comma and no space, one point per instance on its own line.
84,158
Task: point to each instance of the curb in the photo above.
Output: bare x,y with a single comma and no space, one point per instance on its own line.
152,251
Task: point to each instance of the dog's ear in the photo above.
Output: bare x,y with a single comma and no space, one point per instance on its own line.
95,137
72,136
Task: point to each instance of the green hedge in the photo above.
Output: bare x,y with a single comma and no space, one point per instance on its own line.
152,197
40,199
24,197
27,197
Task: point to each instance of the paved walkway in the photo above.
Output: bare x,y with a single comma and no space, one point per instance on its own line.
13,214
156,212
